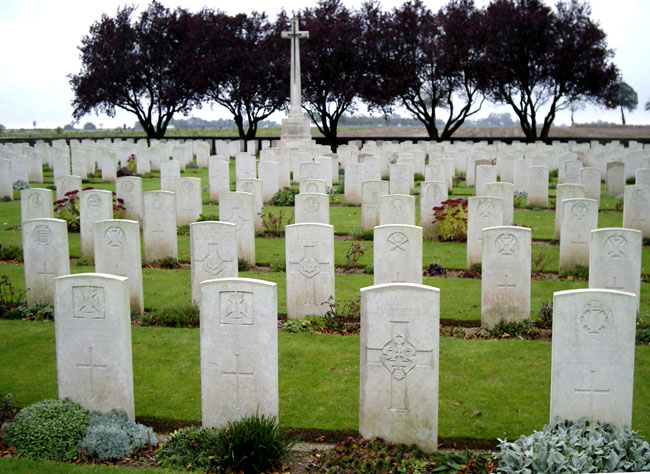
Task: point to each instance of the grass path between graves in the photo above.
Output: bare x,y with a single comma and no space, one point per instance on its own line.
488,389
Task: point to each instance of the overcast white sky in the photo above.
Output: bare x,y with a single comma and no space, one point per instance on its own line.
39,41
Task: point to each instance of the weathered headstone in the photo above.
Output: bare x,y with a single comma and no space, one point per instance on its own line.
592,362
218,176
435,172
117,252
310,268
170,172
45,256
159,226
129,190
615,260
371,169
565,191
92,325
371,192
579,218
312,207
636,208
94,205
397,255
572,171
353,176
109,167
237,207
482,212
505,274
397,209
484,174
313,186
213,253
65,184
401,178
537,186
590,179
239,350
432,194
245,167
615,177
35,203
521,175
398,392
642,176
504,191
268,172
254,187
188,200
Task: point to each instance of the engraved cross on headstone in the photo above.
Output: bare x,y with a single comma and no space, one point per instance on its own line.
159,232
90,366
614,287
591,391
236,218
45,273
578,240
236,374
295,35
399,356
505,287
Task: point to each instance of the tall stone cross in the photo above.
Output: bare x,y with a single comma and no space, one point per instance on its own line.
295,91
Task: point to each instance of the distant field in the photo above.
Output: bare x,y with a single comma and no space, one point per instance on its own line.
632,132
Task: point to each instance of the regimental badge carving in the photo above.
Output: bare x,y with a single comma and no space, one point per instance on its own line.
213,264
638,195
42,235
595,319
157,203
236,307
309,267
397,206
88,302
127,186
311,205
579,211
312,188
485,209
94,201
397,241
436,191
35,200
114,237
399,356
69,183
507,244
616,246
187,187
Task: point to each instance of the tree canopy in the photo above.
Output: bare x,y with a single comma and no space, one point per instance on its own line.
625,97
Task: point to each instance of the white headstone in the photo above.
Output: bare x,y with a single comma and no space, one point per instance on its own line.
565,191
505,274
129,190
572,171
310,268
45,256
353,176
482,212
245,167
504,191
35,203
65,184
615,260
521,175
170,172
432,194
592,362
397,255
615,178
239,350
636,208
401,178
159,226
237,207
92,325
537,186
109,167
313,186
254,187
642,176
312,207
484,174
188,200
590,179
94,205
397,209
219,177
268,171
371,192
398,380
579,218
213,253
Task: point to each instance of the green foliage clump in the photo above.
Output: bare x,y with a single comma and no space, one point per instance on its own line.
167,263
208,217
83,262
178,316
242,264
6,199
113,436
39,311
451,220
183,230
12,252
545,315
48,430
369,269
20,185
278,266
643,332
358,234
190,448
285,197
67,208
580,446
253,444
578,272
504,329
191,165
274,224
308,324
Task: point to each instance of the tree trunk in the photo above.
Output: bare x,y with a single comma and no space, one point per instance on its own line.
622,115
239,121
432,130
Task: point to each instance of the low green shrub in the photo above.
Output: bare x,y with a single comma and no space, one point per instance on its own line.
253,444
48,430
178,316
242,264
278,266
504,329
191,165
190,449
83,262
167,263
208,217
183,230
20,185
113,436
545,315
285,197
369,269
643,332
274,224
580,446
578,272
308,324
12,252
6,199
38,311
451,220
